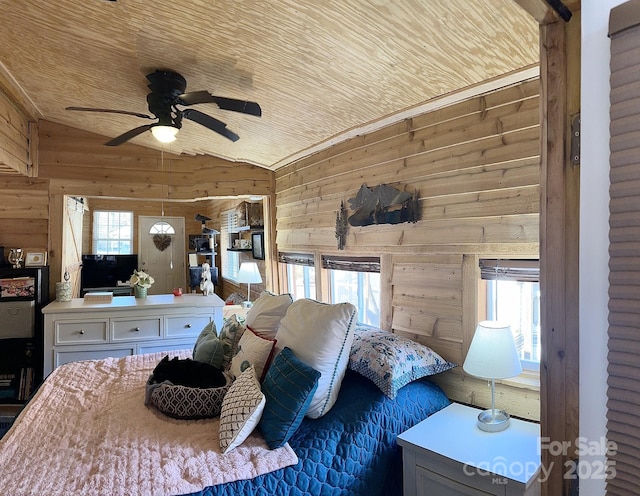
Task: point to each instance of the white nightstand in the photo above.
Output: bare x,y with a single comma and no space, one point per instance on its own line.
447,455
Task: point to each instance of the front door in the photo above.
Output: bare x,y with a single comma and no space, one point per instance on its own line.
162,254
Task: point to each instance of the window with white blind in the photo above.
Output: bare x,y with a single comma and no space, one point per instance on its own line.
112,232
356,280
511,289
230,260
300,274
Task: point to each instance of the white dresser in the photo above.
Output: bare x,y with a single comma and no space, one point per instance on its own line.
78,330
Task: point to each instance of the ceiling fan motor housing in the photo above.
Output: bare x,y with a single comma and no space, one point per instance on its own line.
166,87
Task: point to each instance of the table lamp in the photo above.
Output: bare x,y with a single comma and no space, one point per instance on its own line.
492,355
249,273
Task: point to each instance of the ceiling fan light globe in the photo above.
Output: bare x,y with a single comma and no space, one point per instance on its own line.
164,134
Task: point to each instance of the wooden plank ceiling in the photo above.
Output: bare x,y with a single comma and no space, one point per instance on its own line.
318,68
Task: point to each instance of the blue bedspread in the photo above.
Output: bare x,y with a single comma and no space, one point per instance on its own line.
352,449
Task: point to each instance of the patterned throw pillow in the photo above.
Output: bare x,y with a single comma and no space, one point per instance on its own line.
230,335
242,408
288,388
252,350
391,361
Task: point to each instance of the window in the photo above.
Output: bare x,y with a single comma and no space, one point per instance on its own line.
230,260
356,280
512,289
112,233
301,274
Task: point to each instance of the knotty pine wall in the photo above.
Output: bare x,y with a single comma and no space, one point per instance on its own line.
18,140
476,166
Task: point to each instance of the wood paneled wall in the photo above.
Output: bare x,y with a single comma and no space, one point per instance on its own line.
24,213
476,167
18,140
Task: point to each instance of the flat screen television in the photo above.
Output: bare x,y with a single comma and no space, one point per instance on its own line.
104,271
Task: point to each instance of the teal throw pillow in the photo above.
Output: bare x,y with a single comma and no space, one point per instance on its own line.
288,388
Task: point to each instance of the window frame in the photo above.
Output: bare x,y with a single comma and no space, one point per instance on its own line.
361,265
521,270
96,224
305,260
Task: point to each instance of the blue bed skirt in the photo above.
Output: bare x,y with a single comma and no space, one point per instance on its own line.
351,450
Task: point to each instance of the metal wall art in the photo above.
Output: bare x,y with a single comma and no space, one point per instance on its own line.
383,204
341,226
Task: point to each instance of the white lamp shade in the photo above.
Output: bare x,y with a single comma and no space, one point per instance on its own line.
164,134
249,273
492,354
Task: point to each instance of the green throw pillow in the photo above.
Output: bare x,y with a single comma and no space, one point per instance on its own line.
209,347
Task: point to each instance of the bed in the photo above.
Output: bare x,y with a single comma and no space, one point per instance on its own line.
87,431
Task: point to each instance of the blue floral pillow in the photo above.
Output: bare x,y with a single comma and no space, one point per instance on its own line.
391,361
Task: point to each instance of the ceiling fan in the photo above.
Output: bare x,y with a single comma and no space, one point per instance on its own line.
166,96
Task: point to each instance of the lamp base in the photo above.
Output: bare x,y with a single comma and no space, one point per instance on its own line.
247,304
493,420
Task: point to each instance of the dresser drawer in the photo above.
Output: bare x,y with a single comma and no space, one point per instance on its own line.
135,329
78,332
179,326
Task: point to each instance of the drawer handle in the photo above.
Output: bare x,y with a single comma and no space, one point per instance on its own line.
188,326
137,329
81,331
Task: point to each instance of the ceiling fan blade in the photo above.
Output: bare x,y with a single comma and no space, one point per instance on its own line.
194,97
118,140
111,111
211,123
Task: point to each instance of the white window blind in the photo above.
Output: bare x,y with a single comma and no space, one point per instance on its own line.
230,260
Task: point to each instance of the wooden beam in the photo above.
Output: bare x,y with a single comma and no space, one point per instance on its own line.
559,220
14,92
549,11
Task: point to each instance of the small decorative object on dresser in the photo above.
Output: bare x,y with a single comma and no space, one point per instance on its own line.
141,282
206,286
448,455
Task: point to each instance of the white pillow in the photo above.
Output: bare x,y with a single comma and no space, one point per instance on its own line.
320,335
266,313
252,350
242,409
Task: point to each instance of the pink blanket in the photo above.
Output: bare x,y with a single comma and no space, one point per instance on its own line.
88,432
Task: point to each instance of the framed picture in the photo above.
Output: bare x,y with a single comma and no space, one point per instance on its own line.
36,259
257,245
17,287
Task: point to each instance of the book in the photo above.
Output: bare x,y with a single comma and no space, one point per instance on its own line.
99,297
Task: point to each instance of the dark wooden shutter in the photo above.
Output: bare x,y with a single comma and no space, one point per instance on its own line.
623,393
